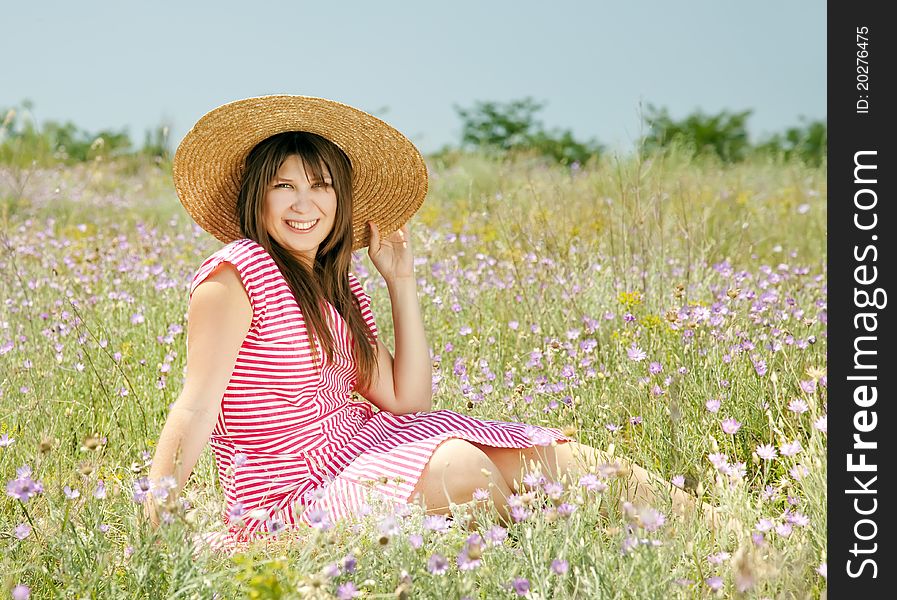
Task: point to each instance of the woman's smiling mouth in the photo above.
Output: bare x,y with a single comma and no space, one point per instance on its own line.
302,226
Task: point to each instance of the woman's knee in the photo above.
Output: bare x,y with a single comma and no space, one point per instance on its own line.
456,468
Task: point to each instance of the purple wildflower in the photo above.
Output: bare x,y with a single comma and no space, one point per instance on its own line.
760,367
591,482
22,531
347,591
798,471
719,460
481,494
730,426
437,523
24,487
141,489
389,526
764,525
635,353
628,544
533,479
651,519
553,489
712,405
799,519
790,449
275,526
496,535
655,367
559,566
236,511
21,592
520,513
539,436
438,565
349,563
784,529
715,583
798,406
318,519
766,452
466,563
521,586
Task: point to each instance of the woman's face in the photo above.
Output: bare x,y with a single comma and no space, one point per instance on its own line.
291,199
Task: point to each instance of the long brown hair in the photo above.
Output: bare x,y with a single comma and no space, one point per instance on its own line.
329,278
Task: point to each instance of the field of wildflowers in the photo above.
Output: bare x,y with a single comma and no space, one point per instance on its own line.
672,311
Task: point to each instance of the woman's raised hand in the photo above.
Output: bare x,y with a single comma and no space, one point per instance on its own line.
392,254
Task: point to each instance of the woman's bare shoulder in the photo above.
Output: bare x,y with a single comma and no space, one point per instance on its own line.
222,295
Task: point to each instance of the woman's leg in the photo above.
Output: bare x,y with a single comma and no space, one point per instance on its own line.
575,459
454,471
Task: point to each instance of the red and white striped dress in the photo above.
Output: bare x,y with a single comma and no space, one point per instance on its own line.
290,435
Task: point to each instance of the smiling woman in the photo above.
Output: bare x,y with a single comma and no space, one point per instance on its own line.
300,209
282,340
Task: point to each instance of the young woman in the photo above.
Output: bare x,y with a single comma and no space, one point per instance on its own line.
281,339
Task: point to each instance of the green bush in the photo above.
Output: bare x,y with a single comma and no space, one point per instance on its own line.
512,127
807,143
23,142
724,135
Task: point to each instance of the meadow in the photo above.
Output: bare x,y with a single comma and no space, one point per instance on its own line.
669,310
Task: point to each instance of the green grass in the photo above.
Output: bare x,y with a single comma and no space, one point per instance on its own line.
87,248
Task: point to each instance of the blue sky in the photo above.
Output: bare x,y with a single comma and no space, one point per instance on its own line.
129,64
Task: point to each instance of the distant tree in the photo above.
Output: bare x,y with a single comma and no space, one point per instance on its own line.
724,134
807,142
512,126
23,142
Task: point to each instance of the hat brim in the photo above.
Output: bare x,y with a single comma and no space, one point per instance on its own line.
389,175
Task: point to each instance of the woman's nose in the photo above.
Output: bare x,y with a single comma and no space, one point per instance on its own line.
302,198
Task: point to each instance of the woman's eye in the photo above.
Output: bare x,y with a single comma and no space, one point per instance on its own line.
280,184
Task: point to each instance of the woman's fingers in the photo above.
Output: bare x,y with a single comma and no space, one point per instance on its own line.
375,236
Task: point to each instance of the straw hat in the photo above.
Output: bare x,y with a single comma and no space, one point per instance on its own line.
389,176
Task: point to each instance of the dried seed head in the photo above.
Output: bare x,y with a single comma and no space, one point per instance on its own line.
93,442
403,592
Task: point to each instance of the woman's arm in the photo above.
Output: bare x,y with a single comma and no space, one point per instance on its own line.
403,385
412,368
218,319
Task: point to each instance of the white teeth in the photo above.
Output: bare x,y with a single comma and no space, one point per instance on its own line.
302,226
